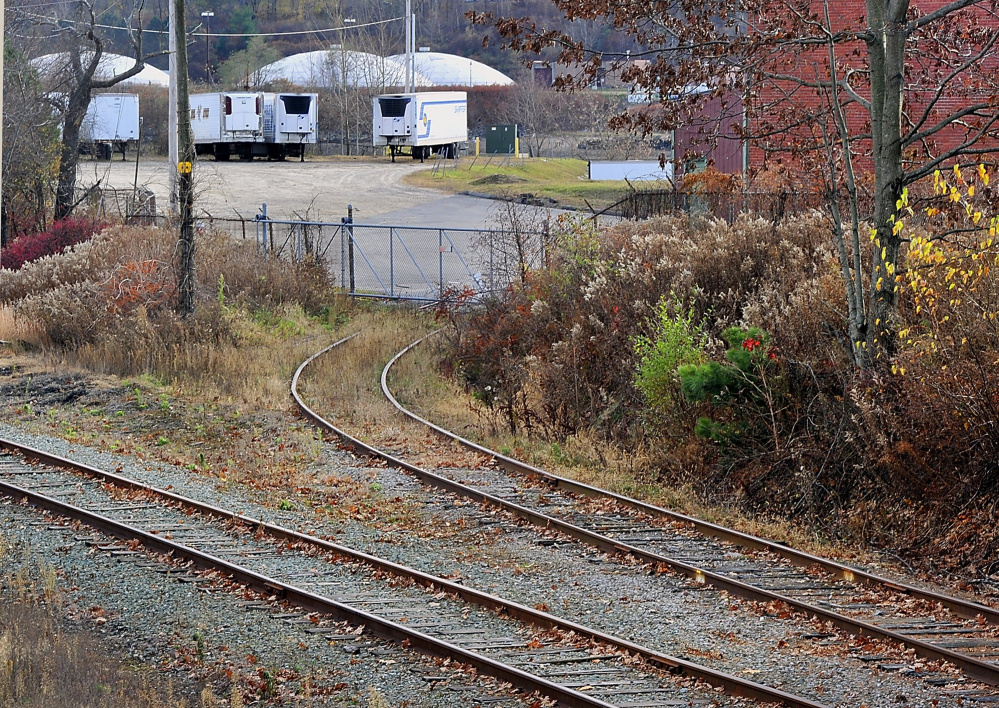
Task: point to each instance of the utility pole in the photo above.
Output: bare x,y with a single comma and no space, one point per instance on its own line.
208,15
184,166
3,202
171,111
409,46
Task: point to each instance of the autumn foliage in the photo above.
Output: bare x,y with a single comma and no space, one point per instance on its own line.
60,236
717,352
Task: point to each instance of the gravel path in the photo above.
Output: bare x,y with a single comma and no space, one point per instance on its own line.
489,552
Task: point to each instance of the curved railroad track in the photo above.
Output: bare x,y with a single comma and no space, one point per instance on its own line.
534,651
934,625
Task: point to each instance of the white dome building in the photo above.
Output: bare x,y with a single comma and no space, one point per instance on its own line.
451,70
331,67
111,65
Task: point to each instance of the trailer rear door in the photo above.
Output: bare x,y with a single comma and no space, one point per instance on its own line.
242,112
296,112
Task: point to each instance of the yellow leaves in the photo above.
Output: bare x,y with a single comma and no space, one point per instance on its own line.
976,217
931,212
897,228
955,196
983,175
971,191
898,370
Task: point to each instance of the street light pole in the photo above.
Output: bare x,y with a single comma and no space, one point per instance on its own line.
208,15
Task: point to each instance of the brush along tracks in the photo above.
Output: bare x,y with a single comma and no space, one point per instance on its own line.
616,525
534,651
935,625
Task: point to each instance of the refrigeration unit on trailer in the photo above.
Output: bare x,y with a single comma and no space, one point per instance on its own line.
291,121
227,123
111,123
429,122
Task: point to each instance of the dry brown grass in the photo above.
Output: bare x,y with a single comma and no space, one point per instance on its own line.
44,664
19,330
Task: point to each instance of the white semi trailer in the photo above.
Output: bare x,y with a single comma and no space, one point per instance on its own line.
111,123
291,121
428,122
253,124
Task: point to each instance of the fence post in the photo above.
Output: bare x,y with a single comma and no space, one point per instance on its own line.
347,221
343,255
440,261
261,220
392,261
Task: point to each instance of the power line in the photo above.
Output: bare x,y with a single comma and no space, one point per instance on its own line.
231,34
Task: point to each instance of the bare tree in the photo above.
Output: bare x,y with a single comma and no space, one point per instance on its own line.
864,98
30,147
82,72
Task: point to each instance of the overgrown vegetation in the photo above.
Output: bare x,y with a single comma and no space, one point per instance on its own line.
715,355
56,239
122,284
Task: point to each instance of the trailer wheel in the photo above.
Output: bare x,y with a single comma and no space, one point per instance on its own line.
222,152
104,151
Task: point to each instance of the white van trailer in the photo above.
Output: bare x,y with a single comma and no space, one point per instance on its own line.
111,123
428,122
291,121
226,123
254,124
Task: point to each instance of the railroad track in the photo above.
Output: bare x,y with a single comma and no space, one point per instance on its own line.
534,651
852,599
935,626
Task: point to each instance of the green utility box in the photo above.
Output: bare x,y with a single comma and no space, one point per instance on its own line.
501,139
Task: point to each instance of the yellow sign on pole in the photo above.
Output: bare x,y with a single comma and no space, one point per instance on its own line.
184,168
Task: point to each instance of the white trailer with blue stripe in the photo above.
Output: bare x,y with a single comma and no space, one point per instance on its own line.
426,123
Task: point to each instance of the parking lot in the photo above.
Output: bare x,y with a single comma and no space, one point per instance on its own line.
319,190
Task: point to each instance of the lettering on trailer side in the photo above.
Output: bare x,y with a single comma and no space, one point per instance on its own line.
459,107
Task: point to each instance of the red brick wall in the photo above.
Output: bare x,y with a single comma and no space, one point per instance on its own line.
776,104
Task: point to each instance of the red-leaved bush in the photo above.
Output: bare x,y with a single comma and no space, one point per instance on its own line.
60,236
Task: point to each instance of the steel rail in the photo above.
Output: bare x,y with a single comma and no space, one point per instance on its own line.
960,607
732,685
974,668
503,607
380,627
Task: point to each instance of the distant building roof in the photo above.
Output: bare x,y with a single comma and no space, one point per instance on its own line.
452,70
332,67
111,65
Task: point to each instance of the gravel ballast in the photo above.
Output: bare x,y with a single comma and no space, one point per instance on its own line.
486,551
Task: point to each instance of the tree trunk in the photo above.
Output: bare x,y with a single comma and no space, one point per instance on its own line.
76,111
887,84
185,171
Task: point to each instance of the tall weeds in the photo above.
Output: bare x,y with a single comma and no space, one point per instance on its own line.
896,458
107,305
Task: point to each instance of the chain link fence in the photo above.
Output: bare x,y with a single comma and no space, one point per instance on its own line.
406,262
